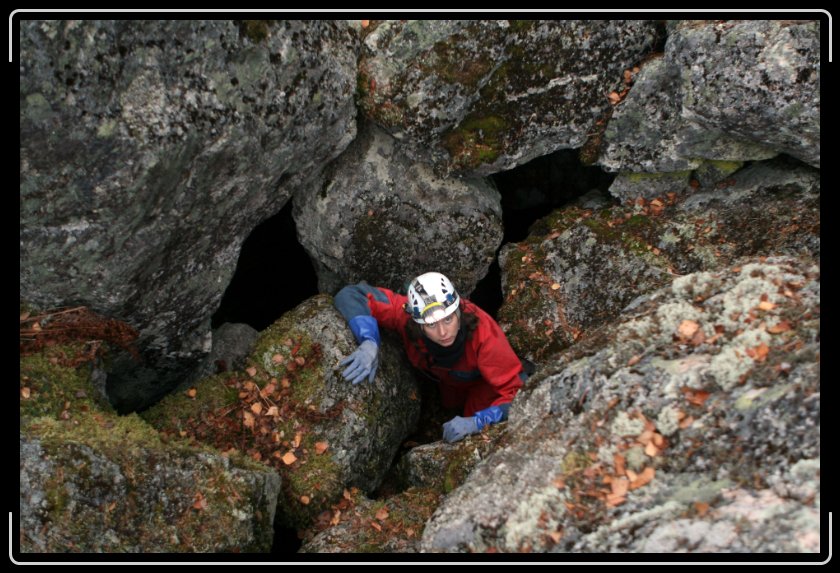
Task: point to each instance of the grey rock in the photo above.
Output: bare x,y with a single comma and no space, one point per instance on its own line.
730,91
232,343
148,152
738,470
382,217
480,97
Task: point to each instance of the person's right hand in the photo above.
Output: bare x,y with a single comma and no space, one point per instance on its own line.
363,362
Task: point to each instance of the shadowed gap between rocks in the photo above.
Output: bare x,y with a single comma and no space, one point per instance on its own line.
530,192
273,275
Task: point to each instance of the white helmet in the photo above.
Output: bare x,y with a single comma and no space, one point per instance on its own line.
431,297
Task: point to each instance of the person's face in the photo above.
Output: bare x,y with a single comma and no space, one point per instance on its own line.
443,332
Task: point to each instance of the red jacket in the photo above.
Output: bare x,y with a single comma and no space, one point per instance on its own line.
487,374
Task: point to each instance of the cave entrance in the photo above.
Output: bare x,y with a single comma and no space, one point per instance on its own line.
273,275
530,192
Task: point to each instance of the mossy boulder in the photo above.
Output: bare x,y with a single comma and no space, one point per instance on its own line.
482,96
93,481
361,525
580,267
692,423
381,216
292,409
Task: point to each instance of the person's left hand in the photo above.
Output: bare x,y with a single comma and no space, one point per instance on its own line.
458,428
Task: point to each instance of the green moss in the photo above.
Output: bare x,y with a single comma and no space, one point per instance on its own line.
54,388
575,462
476,140
255,30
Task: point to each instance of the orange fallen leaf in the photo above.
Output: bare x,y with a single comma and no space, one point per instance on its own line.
277,359
297,440
556,536
656,207
555,286
376,526
614,98
199,502
614,500
347,495
645,437
284,383
321,447
252,371
783,326
766,305
634,360
382,514
620,486
300,360
759,353
289,458
701,507
559,483
651,450
248,419
256,408
696,397
192,392
273,411
304,499
336,518
643,478
25,393
687,329
659,440
620,464
686,422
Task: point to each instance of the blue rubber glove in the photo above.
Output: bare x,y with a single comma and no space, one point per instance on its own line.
458,428
362,363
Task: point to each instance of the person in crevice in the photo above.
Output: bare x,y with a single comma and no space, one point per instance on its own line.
445,336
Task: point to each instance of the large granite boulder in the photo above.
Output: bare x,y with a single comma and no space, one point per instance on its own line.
482,96
150,149
381,216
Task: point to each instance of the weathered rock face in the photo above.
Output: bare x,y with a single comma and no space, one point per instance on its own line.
581,267
484,96
722,91
92,481
382,217
292,409
692,424
135,189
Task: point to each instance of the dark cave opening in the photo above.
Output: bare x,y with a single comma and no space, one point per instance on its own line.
273,275
529,193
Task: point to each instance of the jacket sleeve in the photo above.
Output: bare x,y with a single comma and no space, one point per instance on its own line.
365,308
498,363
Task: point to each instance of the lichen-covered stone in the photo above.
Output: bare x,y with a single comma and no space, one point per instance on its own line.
481,96
150,149
723,90
739,453
339,434
581,267
382,217
739,471
92,481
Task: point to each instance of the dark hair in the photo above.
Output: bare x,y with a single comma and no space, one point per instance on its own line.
469,321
